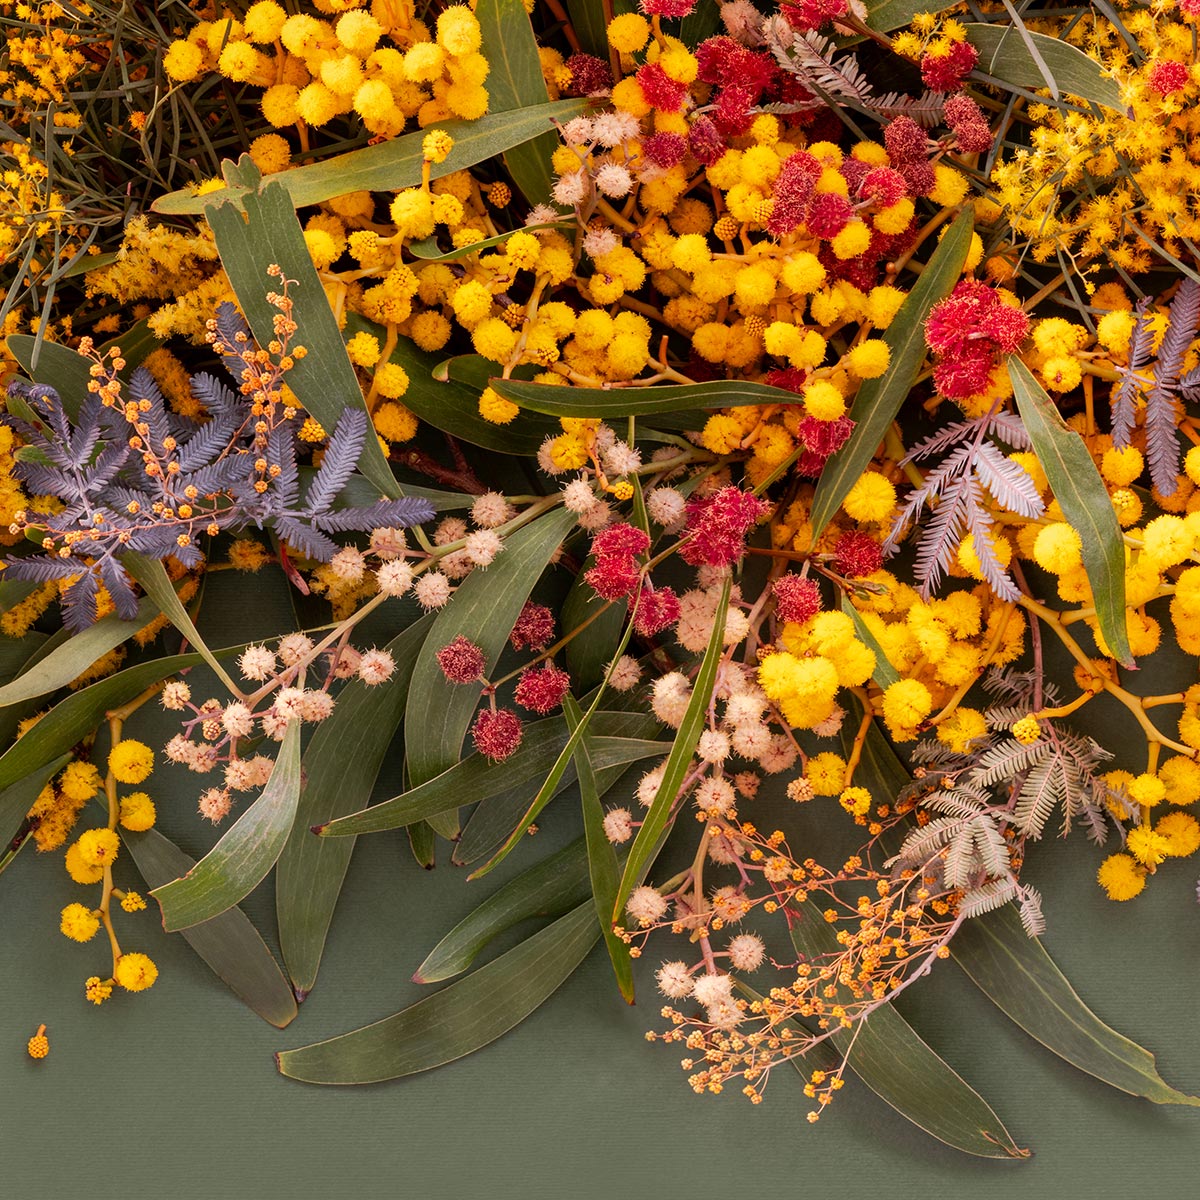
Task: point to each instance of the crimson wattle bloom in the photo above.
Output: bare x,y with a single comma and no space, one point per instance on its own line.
905,140
946,72
705,141
462,661
661,91
589,75
613,577
542,689
718,526
534,628
497,734
796,598
656,611
665,149
621,538
857,554
1166,77
970,329
667,8
809,15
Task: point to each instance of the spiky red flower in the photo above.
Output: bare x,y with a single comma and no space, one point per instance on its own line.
613,578
919,176
667,8
857,554
497,734
589,75
905,140
946,72
960,109
705,141
807,15
733,112
462,661
534,629
974,137
884,186
965,373
828,214
621,538
656,610
969,330
1166,77
820,439
796,598
792,192
718,525
665,149
791,379
542,688
661,91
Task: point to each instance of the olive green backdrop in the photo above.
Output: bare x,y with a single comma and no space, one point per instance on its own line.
174,1093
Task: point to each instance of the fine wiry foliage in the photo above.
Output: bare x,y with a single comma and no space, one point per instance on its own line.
954,490
1162,389
159,492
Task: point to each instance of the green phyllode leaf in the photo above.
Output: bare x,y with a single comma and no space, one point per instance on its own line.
340,767
547,889
886,1053
620,402
247,851
879,400
603,868
1081,493
461,1018
884,674
261,231
655,823
228,943
393,165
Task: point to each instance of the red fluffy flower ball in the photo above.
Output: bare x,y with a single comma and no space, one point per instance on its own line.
462,661
905,140
812,14
1166,77
542,688
970,329
497,734
534,628
718,525
667,8
857,554
796,598
656,611
946,72
590,76
661,91
665,149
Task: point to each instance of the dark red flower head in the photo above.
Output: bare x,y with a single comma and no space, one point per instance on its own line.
667,8
1166,77
796,598
656,610
806,15
665,149
705,141
589,75
905,140
828,214
497,734
946,72
661,91
718,525
857,554
621,538
462,661
542,688
534,628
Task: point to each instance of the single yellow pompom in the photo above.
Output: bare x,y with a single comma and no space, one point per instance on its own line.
1027,730
869,359
137,812
79,922
395,422
1182,832
80,870
1058,548
458,30
436,146
823,401
182,61
98,847
495,409
628,32
79,781
1121,877
38,1046
131,761
135,972
872,498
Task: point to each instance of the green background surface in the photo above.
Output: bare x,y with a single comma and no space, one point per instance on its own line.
174,1092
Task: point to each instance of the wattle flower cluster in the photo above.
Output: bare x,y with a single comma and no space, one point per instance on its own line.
717,527
970,331
615,551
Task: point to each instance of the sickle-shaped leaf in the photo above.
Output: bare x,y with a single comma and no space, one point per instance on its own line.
886,1053
230,944
884,674
878,400
239,862
620,402
394,164
1085,503
548,889
341,765
648,841
484,610
459,1019
603,868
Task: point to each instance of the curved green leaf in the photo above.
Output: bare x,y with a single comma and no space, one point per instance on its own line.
71,658
886,1053
483,609
620,402
428,250
1004,55
548,889
263,230
392,165
647,845
603,868
1014,971
884,674
1084,500
886,15
879,400
459,1019
239,862
229,943
341,765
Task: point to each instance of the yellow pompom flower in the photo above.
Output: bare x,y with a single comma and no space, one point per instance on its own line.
79,869
895,218
1026,730
1058,548
628,32
906,703
1147,790
79,781
823,401
458,30
852,241
1122,467
1121,877
826,772
856,801
137,812
493,339
1182,833
872,498
131,761
264,22
271,153
1148,847
135,972
568,452
424,62
358,31
962,727
363,349
98,847
183,61
436,145
395,422
38,1046
495,409
79,922
869,359
1167,541
949,186
1181,777
391,380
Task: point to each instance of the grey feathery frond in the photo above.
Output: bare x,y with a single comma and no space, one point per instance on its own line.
213,393
926,109
1007,759
1009,483
1030,909
399,514
38,569
1182,318
988,896
1125,394
310,542
961,861
809,58
992,848
1043,789
341,457
1162,440
979,524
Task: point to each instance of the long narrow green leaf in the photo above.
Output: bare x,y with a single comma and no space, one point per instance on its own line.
428,249
1081,493
70,659
263,231
229,943
483,609
459,1019
603,868
884,674
247,851
879,400
620,402
392,165
1014,971
654,825
156,583
886,1053
341,765
548,889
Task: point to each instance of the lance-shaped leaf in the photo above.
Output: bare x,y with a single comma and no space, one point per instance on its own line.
428,249
654,825
393,164
884,674
229,944
886,1053
1014,971
878,400
484,610
17,799
548,889
264,230
341,765
70,659
603,868
1085,503
459,1019
614,403
247,851
1004,54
